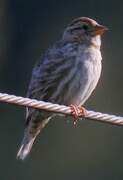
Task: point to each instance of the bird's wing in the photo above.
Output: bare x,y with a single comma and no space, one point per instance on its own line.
47,75
46,78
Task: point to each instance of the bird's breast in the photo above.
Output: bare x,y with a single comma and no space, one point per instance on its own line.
88,69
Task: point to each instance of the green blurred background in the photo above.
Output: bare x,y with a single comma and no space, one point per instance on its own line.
91,151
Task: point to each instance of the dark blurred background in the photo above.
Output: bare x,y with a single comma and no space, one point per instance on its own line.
91,151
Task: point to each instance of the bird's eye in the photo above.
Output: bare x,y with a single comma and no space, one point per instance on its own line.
85,27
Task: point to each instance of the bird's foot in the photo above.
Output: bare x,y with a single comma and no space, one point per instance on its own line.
77,112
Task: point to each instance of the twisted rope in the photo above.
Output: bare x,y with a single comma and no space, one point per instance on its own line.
92,115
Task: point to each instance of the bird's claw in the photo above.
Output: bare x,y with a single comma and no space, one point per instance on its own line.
77,112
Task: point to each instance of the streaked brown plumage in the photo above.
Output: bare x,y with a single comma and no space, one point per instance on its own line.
66,74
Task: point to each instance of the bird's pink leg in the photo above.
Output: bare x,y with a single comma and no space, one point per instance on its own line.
77,112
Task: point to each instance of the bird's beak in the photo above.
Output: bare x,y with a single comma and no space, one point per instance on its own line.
99,29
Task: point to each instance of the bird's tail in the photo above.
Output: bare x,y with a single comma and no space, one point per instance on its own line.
29,138
26,146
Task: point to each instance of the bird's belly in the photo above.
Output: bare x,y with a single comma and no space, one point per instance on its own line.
86,82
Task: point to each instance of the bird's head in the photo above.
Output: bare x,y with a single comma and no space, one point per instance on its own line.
84,29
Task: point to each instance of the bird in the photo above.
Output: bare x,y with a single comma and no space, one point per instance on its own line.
66,74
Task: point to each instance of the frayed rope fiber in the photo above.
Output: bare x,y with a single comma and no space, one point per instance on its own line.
92,115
